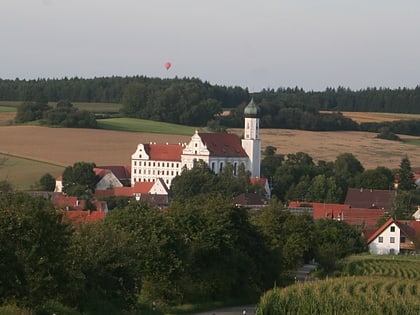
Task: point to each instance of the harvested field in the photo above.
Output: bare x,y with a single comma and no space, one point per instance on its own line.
361,117
64,146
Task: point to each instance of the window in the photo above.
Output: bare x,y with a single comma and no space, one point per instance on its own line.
392,228
392,240
212,166
221,167
402,240
380,239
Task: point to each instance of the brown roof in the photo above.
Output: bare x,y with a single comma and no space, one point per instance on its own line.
249,199
223,144
121,172
370,198
164,152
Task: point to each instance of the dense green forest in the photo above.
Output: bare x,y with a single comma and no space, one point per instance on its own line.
190,101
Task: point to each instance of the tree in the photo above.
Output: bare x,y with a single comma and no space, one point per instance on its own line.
226,256
405,175
336,240
34,251
104,263
379,178
47,182
80,180
158,248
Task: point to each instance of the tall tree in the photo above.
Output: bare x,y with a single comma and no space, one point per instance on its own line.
405,175
80,180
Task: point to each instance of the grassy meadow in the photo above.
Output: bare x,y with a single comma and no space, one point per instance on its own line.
24,173
367,285
142,125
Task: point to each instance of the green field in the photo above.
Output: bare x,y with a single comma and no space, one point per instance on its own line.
7,109
415,142
91,107
367,284
141,125
23,173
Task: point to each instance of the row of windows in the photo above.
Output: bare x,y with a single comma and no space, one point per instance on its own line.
158,164
235,167
391,239
156,172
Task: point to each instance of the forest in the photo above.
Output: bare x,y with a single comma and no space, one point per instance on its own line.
190,101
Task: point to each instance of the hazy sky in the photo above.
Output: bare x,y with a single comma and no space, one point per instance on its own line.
311,44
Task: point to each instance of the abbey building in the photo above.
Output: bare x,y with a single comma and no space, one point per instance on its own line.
152,162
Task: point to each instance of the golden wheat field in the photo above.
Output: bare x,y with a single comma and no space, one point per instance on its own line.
65,146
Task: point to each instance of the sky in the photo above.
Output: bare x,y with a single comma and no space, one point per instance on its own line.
265,44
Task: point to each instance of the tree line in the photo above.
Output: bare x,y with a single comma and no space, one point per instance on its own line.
191,101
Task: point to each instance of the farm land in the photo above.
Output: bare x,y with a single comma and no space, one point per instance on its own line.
367,285
52,149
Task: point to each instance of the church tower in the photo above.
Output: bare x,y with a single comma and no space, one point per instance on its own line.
252,142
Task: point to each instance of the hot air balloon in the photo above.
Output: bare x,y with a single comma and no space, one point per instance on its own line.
167,65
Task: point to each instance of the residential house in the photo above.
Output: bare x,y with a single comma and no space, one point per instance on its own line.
395,237
364,218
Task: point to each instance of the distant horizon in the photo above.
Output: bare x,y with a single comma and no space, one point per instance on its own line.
214,84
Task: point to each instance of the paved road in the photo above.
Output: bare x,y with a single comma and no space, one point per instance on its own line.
302,275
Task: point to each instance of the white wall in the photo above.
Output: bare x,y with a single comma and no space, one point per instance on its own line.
386,247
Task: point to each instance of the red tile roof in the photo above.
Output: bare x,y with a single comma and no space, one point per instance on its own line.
164,152
142,187
353,216
223,144
79,216
258,180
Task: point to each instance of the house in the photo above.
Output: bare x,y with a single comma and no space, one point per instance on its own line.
370,198
109,177
251,200
165,161
395,237
363,218
155,194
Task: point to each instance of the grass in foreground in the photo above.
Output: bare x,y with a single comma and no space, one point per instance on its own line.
141,125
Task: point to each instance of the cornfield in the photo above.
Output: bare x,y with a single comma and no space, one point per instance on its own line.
370,286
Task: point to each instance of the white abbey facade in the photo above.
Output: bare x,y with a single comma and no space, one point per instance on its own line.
165,161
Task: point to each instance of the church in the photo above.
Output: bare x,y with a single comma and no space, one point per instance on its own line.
152,162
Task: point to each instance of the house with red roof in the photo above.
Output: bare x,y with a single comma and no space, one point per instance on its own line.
395,237
165,161
364,218
155,193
